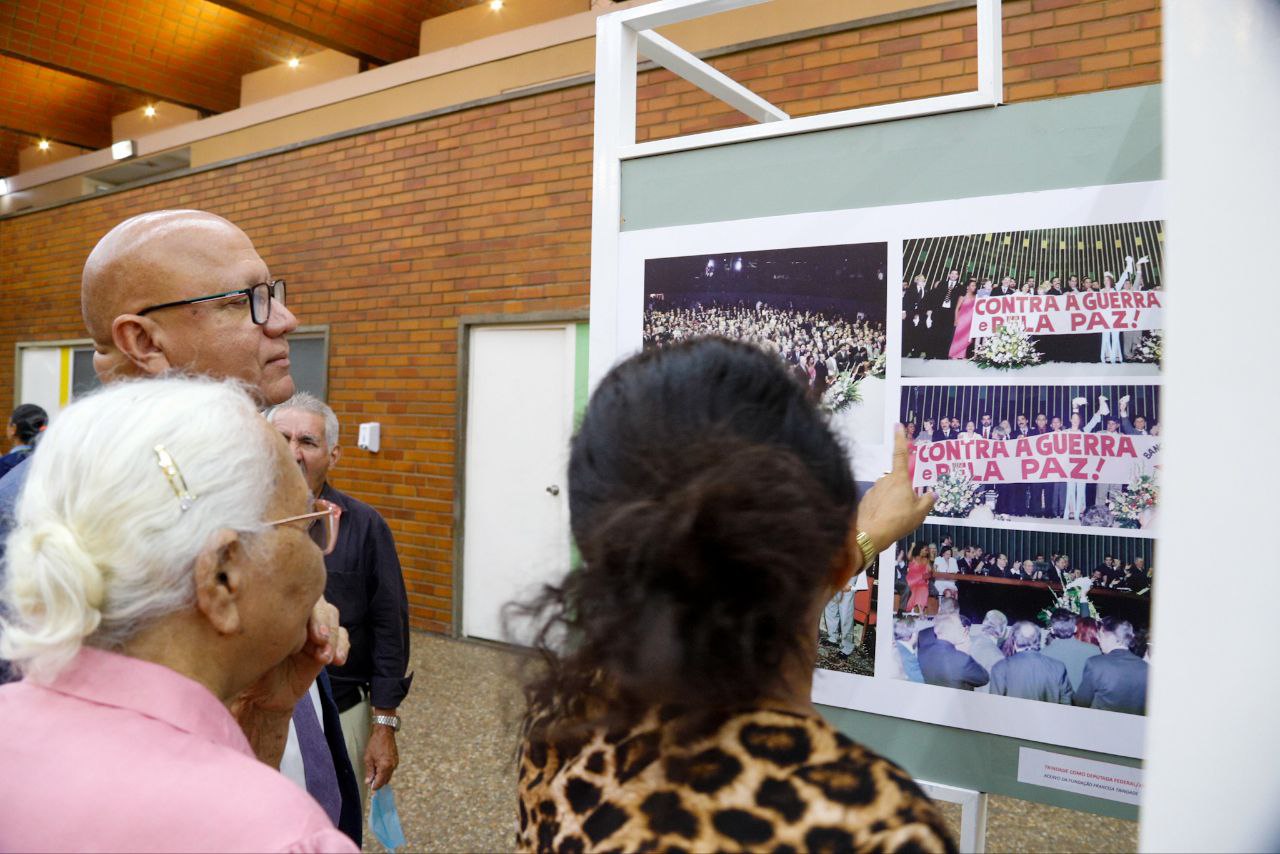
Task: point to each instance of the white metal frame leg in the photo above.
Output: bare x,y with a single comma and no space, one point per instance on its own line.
973,813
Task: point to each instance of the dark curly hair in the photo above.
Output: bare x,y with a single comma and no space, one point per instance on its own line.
708,499
28,420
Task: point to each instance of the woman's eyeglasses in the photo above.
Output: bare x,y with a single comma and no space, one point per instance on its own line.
322,524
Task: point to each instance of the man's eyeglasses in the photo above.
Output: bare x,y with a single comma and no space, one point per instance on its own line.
260,298
322,524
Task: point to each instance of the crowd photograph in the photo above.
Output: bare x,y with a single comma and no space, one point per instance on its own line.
1106,478
820,309
1059,618
1101,276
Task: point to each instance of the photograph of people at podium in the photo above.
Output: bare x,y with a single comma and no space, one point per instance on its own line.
821,309
1059,456
1059,618
1043,302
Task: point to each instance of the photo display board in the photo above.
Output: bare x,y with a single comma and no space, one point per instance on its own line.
1018,337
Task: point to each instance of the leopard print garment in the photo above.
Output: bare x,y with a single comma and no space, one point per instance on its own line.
754,780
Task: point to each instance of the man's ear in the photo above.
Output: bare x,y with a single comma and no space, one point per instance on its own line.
137,339
335,455
219,577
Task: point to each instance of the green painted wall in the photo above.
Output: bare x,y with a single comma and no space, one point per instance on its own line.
1085,140
1105,138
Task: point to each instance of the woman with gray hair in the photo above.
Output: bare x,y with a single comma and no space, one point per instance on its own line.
162,573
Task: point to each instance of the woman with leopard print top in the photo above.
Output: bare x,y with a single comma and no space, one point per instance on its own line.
714,511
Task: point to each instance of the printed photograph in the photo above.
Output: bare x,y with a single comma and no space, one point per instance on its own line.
821,309
1058,618
1061,455
847,625
1043,302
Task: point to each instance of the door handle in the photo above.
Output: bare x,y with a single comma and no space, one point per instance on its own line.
553,489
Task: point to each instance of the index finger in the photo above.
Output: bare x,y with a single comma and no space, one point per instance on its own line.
901,451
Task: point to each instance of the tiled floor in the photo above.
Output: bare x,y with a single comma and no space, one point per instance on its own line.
455,787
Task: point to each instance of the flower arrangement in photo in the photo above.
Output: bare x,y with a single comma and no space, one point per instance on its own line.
841,394
1141,496
1074,598
955,494
878,366
1150,349
1008,347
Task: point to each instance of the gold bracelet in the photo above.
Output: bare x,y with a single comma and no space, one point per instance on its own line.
869,550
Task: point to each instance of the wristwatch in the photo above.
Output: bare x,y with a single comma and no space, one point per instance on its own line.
868,549
392,721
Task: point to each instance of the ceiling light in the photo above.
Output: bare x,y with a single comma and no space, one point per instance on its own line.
495,5
149,111
122,150
43,145
294,62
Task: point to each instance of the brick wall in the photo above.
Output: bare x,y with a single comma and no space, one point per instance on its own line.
389,236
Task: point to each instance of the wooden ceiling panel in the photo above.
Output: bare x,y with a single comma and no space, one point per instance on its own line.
49,104
68,66
11,142
186,51
381,31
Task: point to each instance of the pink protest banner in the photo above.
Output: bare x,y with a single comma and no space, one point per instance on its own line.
1048,458
1071,313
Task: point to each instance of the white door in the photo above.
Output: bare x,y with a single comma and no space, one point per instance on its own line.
519,421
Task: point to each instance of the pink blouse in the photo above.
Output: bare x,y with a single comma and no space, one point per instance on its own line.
120,754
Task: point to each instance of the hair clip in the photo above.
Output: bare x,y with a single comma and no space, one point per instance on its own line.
176,481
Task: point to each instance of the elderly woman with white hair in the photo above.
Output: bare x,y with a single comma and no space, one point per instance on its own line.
162,573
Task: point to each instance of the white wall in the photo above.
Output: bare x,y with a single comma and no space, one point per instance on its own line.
1213,743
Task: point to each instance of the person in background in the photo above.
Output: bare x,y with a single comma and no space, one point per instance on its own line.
1087,630
986,646
946,562
925,634
162,572
1028,673
947,661
667,722
25,425
904,650
365,584
900,578
1075,489
838,617
1115,681
918,572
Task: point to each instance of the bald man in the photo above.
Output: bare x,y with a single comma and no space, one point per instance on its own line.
179,291
185,290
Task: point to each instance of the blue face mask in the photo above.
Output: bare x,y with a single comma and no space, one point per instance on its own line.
384,820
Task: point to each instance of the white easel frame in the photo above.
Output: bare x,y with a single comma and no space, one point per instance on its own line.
622,37
973,813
